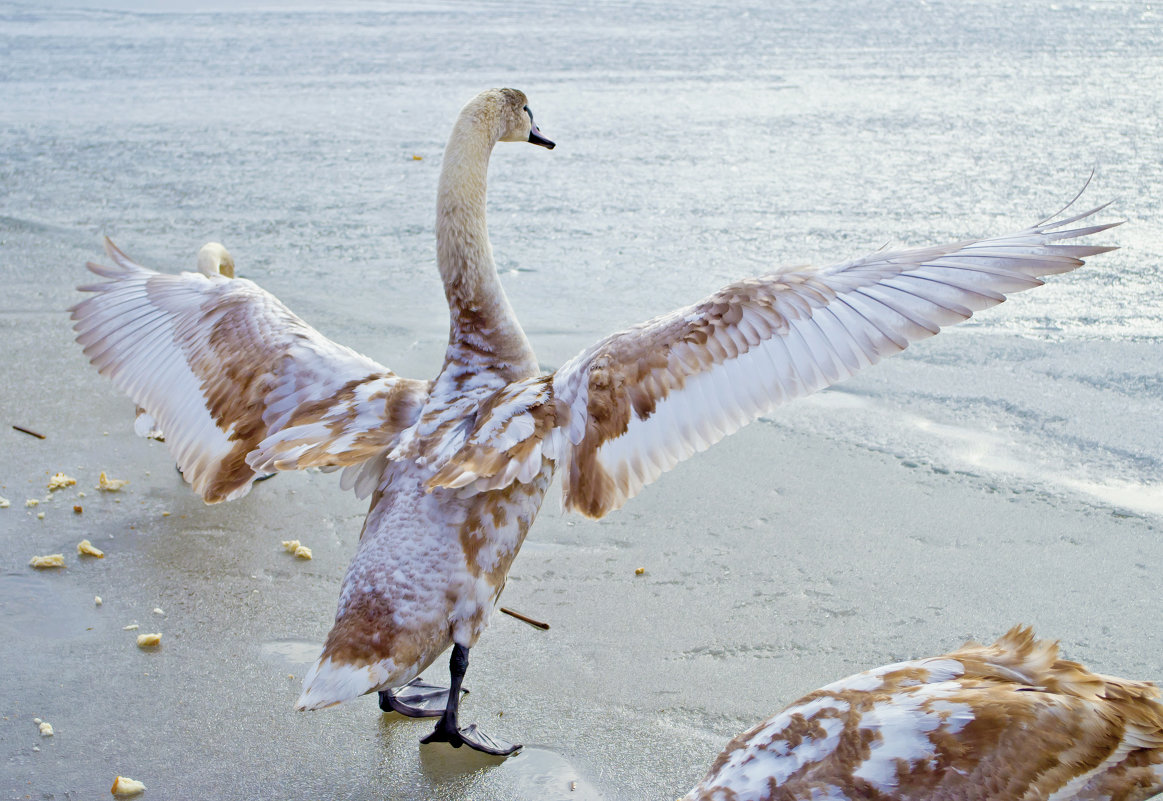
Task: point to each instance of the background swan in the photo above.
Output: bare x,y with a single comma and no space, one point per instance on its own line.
1004,722
457,467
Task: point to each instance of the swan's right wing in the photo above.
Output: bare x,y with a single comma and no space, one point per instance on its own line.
632,406
236,381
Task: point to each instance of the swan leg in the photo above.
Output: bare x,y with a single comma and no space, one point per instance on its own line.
416,699
448,730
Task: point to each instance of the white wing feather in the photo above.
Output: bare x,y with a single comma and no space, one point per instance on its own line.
221,366
635,404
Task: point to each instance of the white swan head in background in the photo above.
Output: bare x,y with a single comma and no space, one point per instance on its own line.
214,259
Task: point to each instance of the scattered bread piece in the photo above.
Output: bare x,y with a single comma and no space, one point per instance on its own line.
60,481
106,484
77,509
297,548
86,548
124,786
97,600
149,640
130,627
40,515
158,611
31,502
5,503
50,560
639,571
46,729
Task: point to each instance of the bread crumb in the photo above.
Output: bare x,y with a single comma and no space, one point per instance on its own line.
60,481
97,600
5,503
50,560
86,548
77,509
297,548
106,484
639,571
81,494
31,502
130,627
125,786
149,640
158,611
40,515
37,721
46,729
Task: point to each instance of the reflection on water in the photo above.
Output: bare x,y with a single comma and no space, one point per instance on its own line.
533,773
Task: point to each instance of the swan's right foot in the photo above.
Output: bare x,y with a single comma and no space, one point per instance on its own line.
416,699
448,730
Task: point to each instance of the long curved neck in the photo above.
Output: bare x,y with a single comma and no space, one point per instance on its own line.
483,331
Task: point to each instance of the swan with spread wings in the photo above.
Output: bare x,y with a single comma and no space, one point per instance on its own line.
457,466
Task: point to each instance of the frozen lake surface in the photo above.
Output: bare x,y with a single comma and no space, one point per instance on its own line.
1009,470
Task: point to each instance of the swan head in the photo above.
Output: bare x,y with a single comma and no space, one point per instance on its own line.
513,120
214,259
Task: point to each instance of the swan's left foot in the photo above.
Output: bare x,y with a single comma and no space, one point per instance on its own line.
265,476
416,699
448,730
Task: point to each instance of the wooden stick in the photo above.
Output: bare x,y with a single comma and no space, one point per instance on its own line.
537,624
26,431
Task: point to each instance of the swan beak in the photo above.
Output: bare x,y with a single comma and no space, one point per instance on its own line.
536,138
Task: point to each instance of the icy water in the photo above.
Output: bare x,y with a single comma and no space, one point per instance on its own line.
1010,469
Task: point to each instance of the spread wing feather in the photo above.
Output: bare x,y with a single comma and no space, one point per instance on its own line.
234,378
635,404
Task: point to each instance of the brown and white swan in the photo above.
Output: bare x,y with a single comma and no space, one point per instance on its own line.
457,466
1005,722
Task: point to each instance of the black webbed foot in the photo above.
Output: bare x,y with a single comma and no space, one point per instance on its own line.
416,699
449,731
474,738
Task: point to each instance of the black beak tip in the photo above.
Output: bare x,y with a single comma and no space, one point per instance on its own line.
538,139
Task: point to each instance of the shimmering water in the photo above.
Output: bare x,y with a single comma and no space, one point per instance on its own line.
698,143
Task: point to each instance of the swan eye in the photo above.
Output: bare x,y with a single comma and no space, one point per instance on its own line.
530,113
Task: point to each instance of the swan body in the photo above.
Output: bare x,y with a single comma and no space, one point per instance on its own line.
1005,722
456,467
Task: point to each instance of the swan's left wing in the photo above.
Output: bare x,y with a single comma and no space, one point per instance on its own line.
629,408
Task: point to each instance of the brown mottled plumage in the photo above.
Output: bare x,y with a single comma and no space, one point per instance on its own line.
1005,722
457,467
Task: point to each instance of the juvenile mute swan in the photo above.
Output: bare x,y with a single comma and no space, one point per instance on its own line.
1005,722
457,467
213,259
